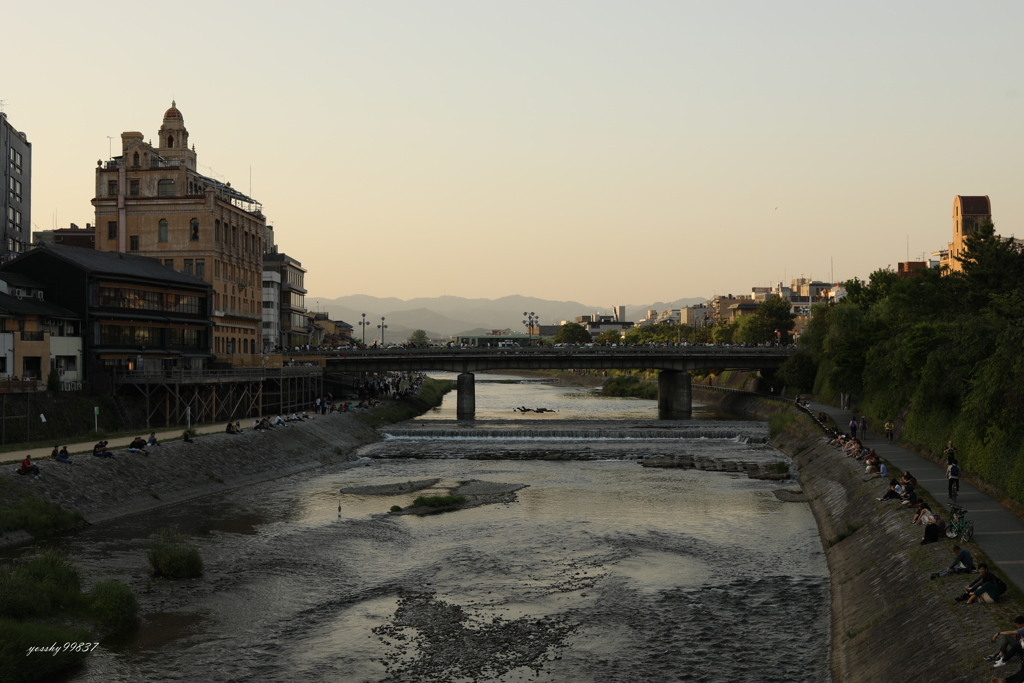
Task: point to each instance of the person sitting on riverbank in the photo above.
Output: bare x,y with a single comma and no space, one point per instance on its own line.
138,445
28,468
152,440
933,526
909,496
989,590
894,492
962,563
279,422
306,416
63,456
230,428
924,510
908,478
100,450
1008,644
975,583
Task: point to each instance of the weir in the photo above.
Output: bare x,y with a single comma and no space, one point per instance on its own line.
753,434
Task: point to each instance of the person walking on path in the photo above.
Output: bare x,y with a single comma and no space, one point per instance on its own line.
863,426
953,479
889,430
950,452
853,427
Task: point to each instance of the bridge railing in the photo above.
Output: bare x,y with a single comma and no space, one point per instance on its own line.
560,351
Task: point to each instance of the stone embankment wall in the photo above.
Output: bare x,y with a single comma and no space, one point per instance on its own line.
105,488
889,621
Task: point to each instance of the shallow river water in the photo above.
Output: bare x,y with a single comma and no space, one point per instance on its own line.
599,570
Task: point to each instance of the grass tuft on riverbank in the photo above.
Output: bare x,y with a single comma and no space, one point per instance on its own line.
174,557
22,510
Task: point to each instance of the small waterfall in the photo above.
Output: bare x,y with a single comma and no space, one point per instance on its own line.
749,435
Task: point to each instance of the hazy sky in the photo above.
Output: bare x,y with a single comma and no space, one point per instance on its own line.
607,152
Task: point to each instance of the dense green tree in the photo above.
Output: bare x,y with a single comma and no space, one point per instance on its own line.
572,333
418,338
609,337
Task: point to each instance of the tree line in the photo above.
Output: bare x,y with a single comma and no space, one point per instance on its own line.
938,352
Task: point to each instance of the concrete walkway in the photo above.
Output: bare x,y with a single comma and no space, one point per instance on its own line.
998,531
115,443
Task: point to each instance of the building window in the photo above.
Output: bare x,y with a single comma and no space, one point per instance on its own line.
135,159
200,267
112,230
133,185
112,188
162,230
188,266
169,262
166,188
133,242
234,236
216,230
16,160
15,189
170,141
193,230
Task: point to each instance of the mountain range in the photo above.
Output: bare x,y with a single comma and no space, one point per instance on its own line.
444,316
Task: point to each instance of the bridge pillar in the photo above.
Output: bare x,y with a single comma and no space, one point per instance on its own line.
674,398
465,401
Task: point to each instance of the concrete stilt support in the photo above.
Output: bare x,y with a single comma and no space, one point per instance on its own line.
465,402
674,397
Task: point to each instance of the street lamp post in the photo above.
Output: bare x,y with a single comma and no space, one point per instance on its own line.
363,323
382,327
531,319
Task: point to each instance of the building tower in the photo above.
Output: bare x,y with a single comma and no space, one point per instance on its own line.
151,201
17,190
968,214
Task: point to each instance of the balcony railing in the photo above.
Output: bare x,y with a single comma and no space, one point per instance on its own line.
33,336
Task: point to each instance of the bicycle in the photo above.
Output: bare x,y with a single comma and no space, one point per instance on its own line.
959,525
954,490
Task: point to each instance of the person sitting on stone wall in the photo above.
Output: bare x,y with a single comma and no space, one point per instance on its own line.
279,421
100,450
230,428
923,511
28,468
306,416
238,427
962,563
1009,644
990,589
894,492
138,445
152,440
63,456
933,526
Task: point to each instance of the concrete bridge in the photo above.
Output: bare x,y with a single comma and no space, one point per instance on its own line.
675,363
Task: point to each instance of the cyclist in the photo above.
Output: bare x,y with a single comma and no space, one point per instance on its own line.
953,478
889,429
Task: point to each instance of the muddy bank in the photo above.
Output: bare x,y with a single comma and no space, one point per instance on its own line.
105,488
889,622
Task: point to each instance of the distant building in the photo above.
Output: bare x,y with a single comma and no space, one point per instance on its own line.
137,315
68,237
153,202
908,268
968,214
36,337
295,325
696,316
17,190
271,310
597,323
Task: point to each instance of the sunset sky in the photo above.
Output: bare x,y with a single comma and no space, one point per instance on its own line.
604,152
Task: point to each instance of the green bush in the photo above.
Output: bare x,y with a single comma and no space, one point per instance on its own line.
396,508
113,606
175,558
778,422
432,391
438,501
17,665
43,586
23,511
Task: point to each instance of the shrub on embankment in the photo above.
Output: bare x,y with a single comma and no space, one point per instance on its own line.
41,604
23,510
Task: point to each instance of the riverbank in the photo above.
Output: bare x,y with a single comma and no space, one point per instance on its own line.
889,621
100,489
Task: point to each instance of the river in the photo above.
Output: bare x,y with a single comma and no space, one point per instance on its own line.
598,570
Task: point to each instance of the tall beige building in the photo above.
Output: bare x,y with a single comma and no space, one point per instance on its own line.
968,214
152,201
